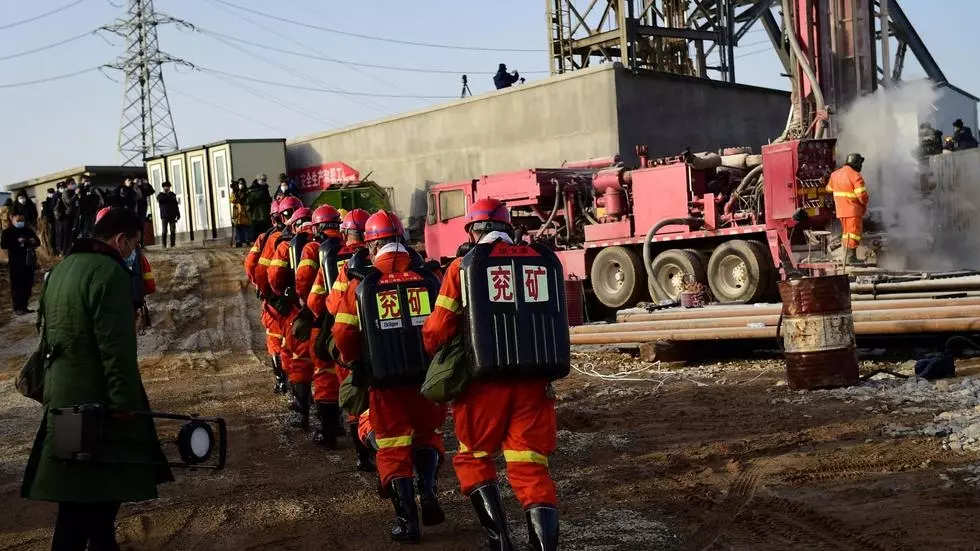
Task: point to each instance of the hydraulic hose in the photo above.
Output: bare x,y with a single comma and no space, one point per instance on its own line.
554,210
647,261
742,186
794,45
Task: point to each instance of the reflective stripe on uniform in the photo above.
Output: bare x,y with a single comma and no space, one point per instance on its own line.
848,194
340,286
254,249
279,263
148,276
464,449
347,319
274,335
860,190
307,262
318,290
514,456
395,441
449,304
854,236
329,371
264,261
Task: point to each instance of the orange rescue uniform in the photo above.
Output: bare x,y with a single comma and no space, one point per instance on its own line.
851,202
149,282
401,418
271,319
330,302
295,353
326,387
516,416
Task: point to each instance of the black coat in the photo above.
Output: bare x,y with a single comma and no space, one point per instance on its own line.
169,209
28,210
503,79
142,203
90,200
125,197
66,209
47,206
963,137
20,255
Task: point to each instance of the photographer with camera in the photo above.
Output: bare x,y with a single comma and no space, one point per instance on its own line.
88,346
503,79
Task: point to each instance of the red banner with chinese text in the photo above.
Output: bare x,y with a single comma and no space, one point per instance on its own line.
316,178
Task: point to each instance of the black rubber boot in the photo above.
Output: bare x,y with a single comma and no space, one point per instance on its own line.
427,469
406,526
327,412
365,455
490,510
294,404
340,423
304,394
542,528
282,383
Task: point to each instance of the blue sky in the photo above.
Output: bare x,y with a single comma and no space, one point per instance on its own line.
53,126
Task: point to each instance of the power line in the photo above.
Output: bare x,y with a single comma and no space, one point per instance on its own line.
377,38
49,46
366,103
360,64
293,72
305,113
51,79
312,88
225,109
40,16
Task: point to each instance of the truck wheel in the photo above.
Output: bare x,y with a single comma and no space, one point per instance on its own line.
770,274
739,271
670,268
618,277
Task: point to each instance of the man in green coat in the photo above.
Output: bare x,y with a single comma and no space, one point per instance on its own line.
257,202
89,330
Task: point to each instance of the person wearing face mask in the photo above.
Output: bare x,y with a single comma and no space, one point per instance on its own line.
24,206
90,200
20,242
89,339
284,189
46,222
125,195
258,203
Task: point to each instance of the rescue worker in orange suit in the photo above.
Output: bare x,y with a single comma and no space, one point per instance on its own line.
326,238
851,202
256,268
325,299
377,330
505,407
283,283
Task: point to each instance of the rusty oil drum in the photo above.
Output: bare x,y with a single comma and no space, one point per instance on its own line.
575,301
818,333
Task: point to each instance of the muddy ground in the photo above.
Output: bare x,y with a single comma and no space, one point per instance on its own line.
713,456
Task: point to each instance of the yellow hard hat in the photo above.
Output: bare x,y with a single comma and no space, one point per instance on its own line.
343,212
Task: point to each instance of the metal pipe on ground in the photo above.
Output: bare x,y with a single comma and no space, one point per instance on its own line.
951,295
971,283
958,325
894,314
774,309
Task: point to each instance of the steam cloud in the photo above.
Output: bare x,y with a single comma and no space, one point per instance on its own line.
884,128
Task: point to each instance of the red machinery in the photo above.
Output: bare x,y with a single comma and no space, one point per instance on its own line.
724,227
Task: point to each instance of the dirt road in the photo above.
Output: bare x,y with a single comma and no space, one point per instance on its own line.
707,457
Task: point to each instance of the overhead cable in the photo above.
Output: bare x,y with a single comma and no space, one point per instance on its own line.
356,63
40,16
313,88
225,109
377,38
49,46
305,113
50,79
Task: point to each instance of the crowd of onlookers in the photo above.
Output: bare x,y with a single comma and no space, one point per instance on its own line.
251,203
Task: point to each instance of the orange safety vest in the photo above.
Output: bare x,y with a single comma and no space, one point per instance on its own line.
850,193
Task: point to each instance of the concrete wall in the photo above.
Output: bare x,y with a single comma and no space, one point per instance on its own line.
671,113
534,125
589,113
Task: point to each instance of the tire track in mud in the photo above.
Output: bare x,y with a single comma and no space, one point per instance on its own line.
740,492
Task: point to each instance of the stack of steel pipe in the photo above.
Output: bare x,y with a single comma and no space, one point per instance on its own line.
893,317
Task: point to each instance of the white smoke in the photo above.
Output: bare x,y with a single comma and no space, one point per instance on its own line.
884,128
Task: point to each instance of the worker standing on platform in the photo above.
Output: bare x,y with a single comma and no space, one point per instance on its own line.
851,202
509,404
378,334
325,298
282,282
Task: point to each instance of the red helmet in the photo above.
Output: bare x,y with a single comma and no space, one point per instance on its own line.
326,214
487,210
306,227
301,214
102,212
274,208
383,225
290,203
355,220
